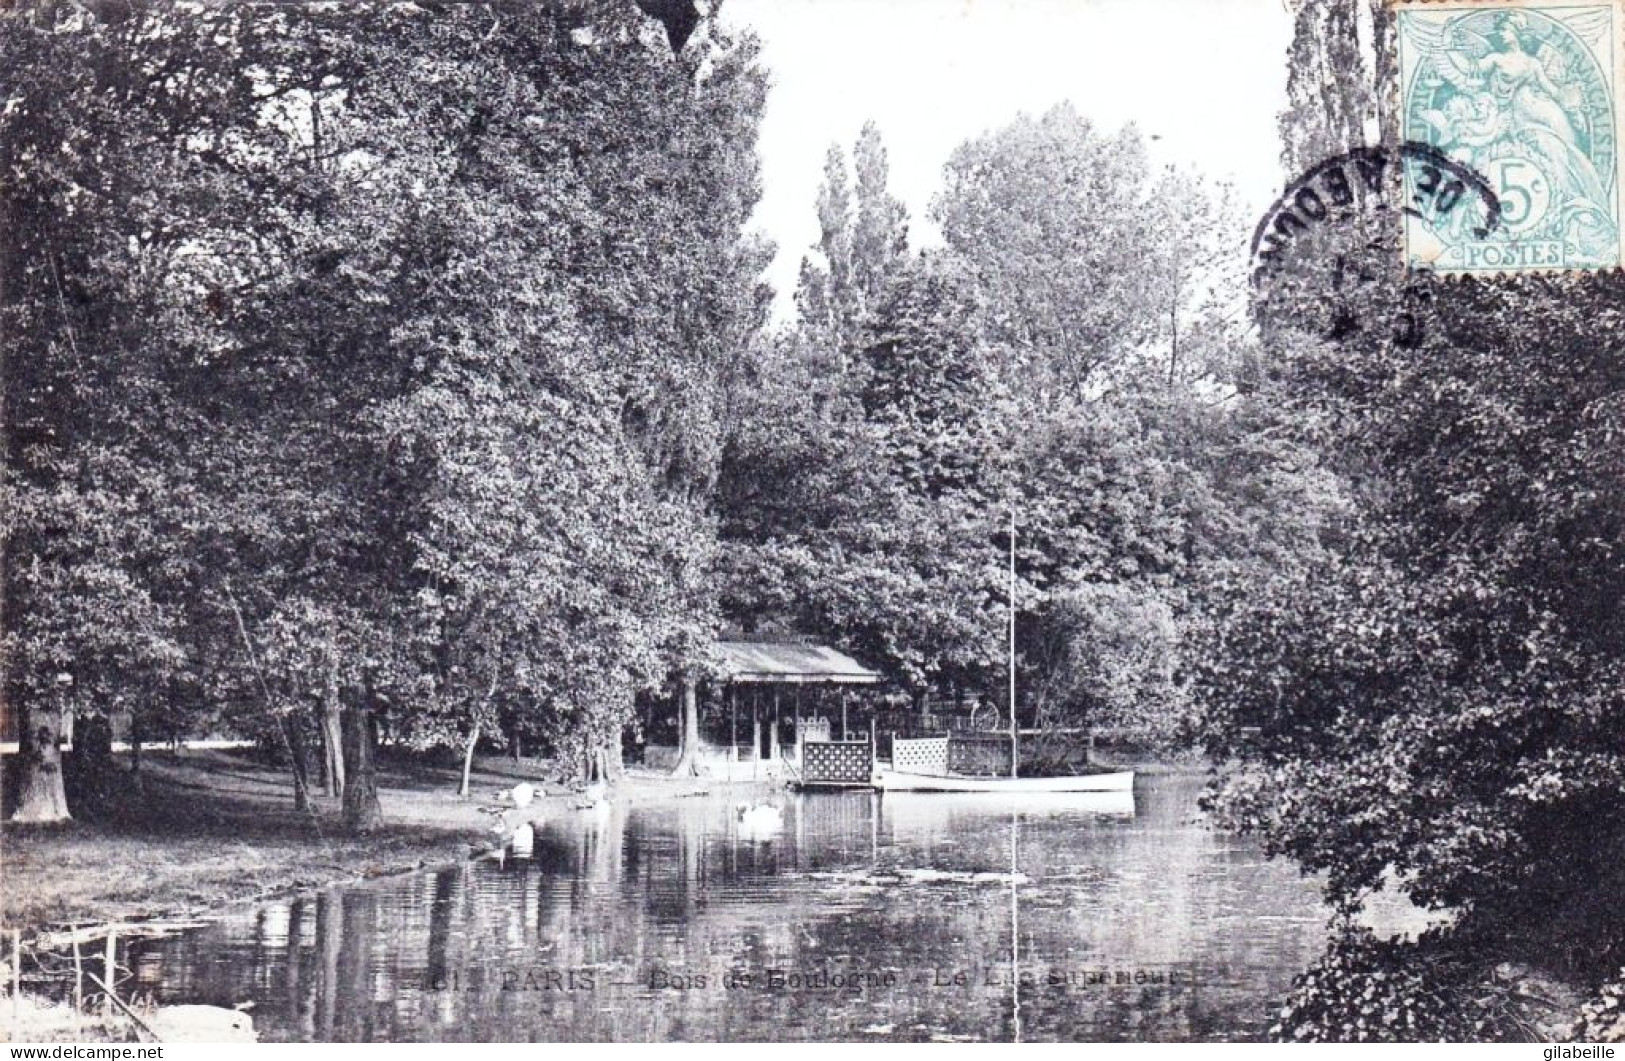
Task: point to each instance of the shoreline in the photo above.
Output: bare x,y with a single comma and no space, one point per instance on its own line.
214,829
224,834
161,873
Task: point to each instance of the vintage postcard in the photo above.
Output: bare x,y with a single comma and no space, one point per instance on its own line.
810,521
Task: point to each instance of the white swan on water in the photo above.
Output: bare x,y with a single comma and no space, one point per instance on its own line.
595,797
202,1024
761,822
523,842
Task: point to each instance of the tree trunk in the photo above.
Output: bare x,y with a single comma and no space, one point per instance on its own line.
474,734
606,759
361,810
468,760
91,769
41,796
294,735
689,740
332,739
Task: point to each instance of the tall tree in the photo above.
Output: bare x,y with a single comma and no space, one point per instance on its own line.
1035,210
824,296
1030,208
862,244
90,561
879,223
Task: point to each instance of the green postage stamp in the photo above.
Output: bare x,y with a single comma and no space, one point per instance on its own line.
1526,94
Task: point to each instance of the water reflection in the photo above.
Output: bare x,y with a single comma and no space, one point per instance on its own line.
861,916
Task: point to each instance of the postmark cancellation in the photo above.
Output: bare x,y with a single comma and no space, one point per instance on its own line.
1525,93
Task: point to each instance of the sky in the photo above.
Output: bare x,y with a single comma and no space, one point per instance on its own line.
1206,77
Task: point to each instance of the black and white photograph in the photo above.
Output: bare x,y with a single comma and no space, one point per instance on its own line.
872,521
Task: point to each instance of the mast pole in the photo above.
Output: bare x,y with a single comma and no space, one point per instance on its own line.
1012,640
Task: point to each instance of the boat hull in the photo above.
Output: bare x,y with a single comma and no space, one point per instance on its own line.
896,781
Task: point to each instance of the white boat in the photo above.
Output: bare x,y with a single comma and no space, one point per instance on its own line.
915,781
923,813
899,781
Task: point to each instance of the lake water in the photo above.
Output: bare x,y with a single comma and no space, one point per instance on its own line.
862,917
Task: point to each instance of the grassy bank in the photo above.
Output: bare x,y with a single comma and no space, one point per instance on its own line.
201,830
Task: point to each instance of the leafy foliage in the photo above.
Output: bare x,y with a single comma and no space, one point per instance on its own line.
862,244
867,487
884,532
1366,990
1042,212
382,296
1441,697
1602,1019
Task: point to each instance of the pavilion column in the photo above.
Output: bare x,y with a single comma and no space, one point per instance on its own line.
756,727
773,734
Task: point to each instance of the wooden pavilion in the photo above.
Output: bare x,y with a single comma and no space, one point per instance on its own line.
793,678
774,692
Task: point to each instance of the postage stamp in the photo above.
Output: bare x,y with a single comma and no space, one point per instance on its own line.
1525,93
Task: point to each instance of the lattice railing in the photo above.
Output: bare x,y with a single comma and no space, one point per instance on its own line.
837,762
924,755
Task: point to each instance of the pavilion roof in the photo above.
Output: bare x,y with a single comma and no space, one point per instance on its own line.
783,663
